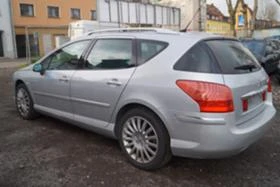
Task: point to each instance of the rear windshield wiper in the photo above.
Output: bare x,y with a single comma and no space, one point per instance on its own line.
249,67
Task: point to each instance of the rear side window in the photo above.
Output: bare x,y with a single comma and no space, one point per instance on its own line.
232,55
111,54
198,59
147,49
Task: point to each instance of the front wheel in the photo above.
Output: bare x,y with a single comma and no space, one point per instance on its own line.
24,103
144,139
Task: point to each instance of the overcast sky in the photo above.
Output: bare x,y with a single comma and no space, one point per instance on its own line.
221,4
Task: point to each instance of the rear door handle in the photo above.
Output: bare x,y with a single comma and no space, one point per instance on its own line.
114,82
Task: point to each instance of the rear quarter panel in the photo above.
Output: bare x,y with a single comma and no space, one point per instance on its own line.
154,86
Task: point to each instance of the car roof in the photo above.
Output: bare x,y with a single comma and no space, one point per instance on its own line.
160,34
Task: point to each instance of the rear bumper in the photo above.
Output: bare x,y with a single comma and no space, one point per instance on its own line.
221,140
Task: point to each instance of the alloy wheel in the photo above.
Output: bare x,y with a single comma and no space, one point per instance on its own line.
140,139
23,102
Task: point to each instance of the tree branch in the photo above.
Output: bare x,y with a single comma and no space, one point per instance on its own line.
278,2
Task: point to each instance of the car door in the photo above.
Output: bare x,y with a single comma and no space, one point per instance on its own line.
95,90
51,89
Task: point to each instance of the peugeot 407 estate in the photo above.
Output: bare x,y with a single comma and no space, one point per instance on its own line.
159,93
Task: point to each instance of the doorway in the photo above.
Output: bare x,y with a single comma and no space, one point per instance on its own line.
1,45
21,46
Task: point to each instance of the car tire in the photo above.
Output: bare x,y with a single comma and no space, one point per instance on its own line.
144,139
24,103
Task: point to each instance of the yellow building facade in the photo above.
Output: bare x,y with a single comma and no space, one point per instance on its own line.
218,27
45,22
243,18
216,22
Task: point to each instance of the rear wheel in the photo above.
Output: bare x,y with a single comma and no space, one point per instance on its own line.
144,139
24,103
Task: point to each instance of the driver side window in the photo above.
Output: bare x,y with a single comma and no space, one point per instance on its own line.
66,58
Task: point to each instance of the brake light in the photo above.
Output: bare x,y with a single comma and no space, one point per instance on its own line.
211,97
269,88
245,105
264,96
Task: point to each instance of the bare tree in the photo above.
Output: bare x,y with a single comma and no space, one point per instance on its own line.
254,16
232,13
269,12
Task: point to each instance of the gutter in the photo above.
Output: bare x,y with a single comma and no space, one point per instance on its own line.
12,29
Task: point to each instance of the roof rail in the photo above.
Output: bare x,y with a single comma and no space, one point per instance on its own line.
140,29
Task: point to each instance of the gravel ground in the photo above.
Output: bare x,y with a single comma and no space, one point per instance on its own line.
48,152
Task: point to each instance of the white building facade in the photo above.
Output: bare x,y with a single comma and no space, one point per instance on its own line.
193,13
138,14
7,39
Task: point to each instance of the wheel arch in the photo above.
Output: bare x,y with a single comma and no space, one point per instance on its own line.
131,105
18,82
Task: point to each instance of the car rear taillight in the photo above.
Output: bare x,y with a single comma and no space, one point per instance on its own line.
211,97
269,86
264,96
245,105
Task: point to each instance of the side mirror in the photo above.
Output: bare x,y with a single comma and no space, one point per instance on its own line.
39,69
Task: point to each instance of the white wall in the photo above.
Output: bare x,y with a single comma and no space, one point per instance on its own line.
123,12
7,30
189,9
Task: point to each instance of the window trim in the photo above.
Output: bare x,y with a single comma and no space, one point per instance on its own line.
53,6
81,60
71,14
28,4
138,42
134,57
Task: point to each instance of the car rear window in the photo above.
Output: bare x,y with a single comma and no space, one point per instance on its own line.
148,49
198,59
231,54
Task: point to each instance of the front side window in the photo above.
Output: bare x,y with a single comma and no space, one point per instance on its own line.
53,12
66,58
148,49
26,10
111,54
75,13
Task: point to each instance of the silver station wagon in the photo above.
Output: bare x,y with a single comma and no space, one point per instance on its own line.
159,93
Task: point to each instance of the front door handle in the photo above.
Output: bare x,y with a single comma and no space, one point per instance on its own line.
114,82
64,79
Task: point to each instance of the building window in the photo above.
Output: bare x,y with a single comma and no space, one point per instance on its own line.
75,13
26,10
93,15
53,12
